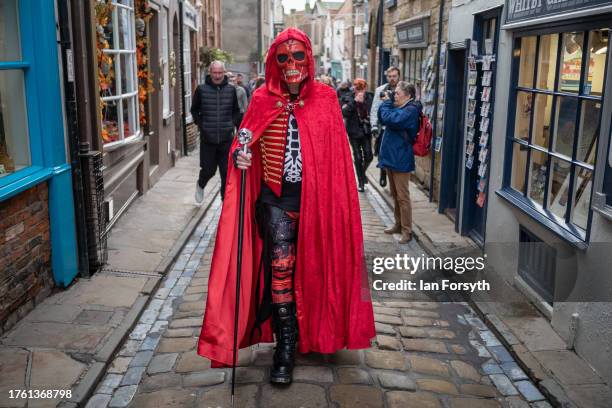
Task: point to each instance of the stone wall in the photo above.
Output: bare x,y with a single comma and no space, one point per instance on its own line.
25,254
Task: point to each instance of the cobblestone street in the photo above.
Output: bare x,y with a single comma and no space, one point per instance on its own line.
428,352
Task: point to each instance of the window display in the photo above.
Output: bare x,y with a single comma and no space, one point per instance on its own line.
117,70
560,133
14,137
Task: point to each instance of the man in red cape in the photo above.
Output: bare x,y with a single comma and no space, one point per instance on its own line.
303,262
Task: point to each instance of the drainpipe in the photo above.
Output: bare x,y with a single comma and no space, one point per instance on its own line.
436,98
182,71
70,102
379,39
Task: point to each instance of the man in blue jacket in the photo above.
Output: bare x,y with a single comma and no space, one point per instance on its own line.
400,114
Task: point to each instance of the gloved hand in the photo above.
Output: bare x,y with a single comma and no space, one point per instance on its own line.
241,159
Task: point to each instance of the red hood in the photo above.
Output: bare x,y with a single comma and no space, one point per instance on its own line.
273,74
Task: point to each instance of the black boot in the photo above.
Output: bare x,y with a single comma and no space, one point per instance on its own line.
383,177
360,178
285,328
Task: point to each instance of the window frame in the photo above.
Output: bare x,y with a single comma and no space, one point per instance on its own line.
565,230
119,96
39,64
412,71
187,72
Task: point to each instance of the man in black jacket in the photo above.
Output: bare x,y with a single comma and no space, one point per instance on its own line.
215,109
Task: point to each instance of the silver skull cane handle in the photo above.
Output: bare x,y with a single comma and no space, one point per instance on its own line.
244,138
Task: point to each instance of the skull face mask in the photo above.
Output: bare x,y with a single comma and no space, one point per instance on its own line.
291,59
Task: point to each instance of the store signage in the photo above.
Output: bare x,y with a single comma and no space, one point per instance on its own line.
525,10
413,34
190,16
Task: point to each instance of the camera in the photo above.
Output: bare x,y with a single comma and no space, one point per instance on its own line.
389,93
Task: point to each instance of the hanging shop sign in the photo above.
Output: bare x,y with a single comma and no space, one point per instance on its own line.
413,34
190,17
537,11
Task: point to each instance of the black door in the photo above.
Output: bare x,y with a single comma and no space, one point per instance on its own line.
453,131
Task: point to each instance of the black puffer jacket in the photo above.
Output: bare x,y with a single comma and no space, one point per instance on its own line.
215,109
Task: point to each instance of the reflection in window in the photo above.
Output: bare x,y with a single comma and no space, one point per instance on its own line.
523,115
571,62
598,52
519,164
527,61
565,124
10,46
559,186
537,176
582,197
547,61
541,120
589,130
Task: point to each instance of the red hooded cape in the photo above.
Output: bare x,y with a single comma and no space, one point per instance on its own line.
334,308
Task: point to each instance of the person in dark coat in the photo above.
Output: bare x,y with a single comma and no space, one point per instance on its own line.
401,118
356,111
215,109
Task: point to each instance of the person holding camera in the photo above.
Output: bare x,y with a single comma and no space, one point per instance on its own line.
399,113
356,111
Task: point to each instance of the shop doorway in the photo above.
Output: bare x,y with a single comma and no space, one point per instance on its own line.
453,131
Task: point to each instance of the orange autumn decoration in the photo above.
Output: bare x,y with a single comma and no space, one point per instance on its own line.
145,82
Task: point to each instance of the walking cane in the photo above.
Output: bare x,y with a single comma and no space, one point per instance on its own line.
244,137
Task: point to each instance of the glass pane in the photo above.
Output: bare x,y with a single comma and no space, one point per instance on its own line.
598,51
582,197
559,186
110,121
547,61
105,16
125,21
107,75
10,48
14,138
541,120
523,115
128,82
565,124
519,165
589,130
130,127
537,176
571,62
526,66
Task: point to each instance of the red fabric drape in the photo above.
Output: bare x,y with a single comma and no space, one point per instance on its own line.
334,309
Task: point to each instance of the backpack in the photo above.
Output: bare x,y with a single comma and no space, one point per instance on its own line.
422,144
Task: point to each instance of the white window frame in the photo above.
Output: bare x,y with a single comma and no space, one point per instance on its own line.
187,72
164,63
130,53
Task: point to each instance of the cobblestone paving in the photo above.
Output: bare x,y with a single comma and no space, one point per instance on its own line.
427,353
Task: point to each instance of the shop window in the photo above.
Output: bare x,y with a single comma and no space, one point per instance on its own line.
164,63
413,67
117,71
187,72
557,118
14,138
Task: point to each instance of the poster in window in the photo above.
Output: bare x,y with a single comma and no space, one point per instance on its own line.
486,62
472,77
438,144
471,63
474,48
489,46
443,55
482,155
472,105
482,184
482,169
484,124
486,94
469,163
484,139
472,92
470,135
484,109
470,148
486,78
471,120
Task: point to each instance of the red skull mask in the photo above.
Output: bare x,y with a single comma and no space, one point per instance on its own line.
291,58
